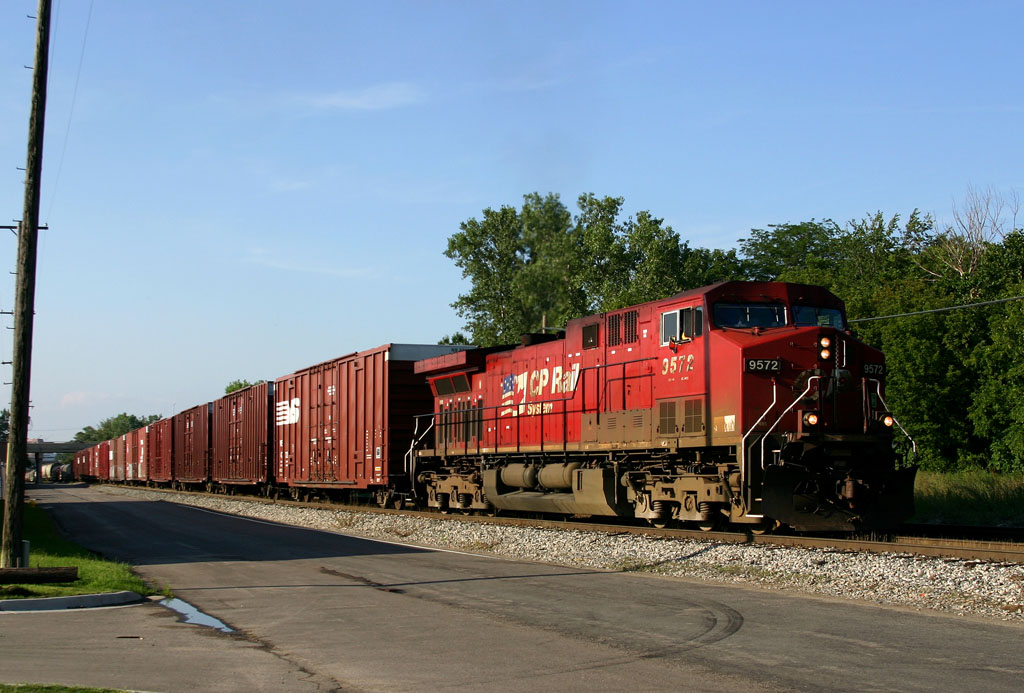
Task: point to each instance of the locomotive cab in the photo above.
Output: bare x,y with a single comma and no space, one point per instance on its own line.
816,452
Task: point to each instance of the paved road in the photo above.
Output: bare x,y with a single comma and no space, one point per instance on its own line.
353,614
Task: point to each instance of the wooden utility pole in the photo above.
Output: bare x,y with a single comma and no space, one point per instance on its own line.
24,303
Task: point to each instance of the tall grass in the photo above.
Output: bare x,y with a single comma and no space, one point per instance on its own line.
49,549
974,497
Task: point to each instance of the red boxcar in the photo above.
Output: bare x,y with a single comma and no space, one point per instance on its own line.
118,448
135,469
80,465
240,447
347,423
192,445
160,441
99,461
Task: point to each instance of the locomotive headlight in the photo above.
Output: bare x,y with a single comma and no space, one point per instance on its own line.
824,348
810,418
888,421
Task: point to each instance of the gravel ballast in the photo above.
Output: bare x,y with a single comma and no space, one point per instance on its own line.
965,587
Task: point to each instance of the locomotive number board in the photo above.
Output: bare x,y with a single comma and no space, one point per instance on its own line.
762,365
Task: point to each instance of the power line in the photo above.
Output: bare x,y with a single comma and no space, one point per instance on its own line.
940,310
71,112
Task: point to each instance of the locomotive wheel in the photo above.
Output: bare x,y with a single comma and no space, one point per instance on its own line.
708,525
765,526
660,522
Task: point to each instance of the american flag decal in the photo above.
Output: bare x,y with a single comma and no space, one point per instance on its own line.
508,395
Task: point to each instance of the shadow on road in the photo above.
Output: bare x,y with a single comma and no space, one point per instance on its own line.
172,533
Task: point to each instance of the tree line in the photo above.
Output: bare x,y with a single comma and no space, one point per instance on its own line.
955,378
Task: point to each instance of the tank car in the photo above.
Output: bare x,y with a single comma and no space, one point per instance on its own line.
751,403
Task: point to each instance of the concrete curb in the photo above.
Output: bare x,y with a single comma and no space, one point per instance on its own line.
78,601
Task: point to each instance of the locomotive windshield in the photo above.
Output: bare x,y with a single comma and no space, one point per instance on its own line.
746,315
804,316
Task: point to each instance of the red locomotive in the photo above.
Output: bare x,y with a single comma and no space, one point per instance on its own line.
744,402
741,402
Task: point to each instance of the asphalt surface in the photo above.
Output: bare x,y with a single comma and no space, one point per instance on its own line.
321,611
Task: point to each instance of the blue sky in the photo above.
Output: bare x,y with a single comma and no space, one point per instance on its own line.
241,189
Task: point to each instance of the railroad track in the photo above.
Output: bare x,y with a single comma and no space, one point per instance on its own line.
945,541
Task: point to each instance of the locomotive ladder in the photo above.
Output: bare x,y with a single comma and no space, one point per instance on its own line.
745,460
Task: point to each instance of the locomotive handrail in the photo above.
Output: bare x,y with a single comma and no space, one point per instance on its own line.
410,455
743,441
878,391
764,436
803,394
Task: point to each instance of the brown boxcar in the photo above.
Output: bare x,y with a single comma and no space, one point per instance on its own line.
160,439
240,447
191,453
347,423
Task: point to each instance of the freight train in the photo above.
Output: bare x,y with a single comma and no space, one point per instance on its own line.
743,403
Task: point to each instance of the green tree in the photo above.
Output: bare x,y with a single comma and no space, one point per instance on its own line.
108,429
5,425
520,264
455,338
640,259
236,385
997,402
540,266
702,267
602,279
782,251
551,262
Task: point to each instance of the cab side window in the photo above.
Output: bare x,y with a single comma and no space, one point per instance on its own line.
669,327
682,325
692,322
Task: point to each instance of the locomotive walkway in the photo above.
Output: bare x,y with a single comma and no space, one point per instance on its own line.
321,609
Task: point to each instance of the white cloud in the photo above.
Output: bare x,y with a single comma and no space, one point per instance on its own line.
289,185
259,256
73,399
374,98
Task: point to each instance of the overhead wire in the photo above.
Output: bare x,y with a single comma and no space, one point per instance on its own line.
940,310
71,110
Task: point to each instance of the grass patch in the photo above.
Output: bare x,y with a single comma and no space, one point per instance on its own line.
629,565
45,688
49,549
974,497
479,545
